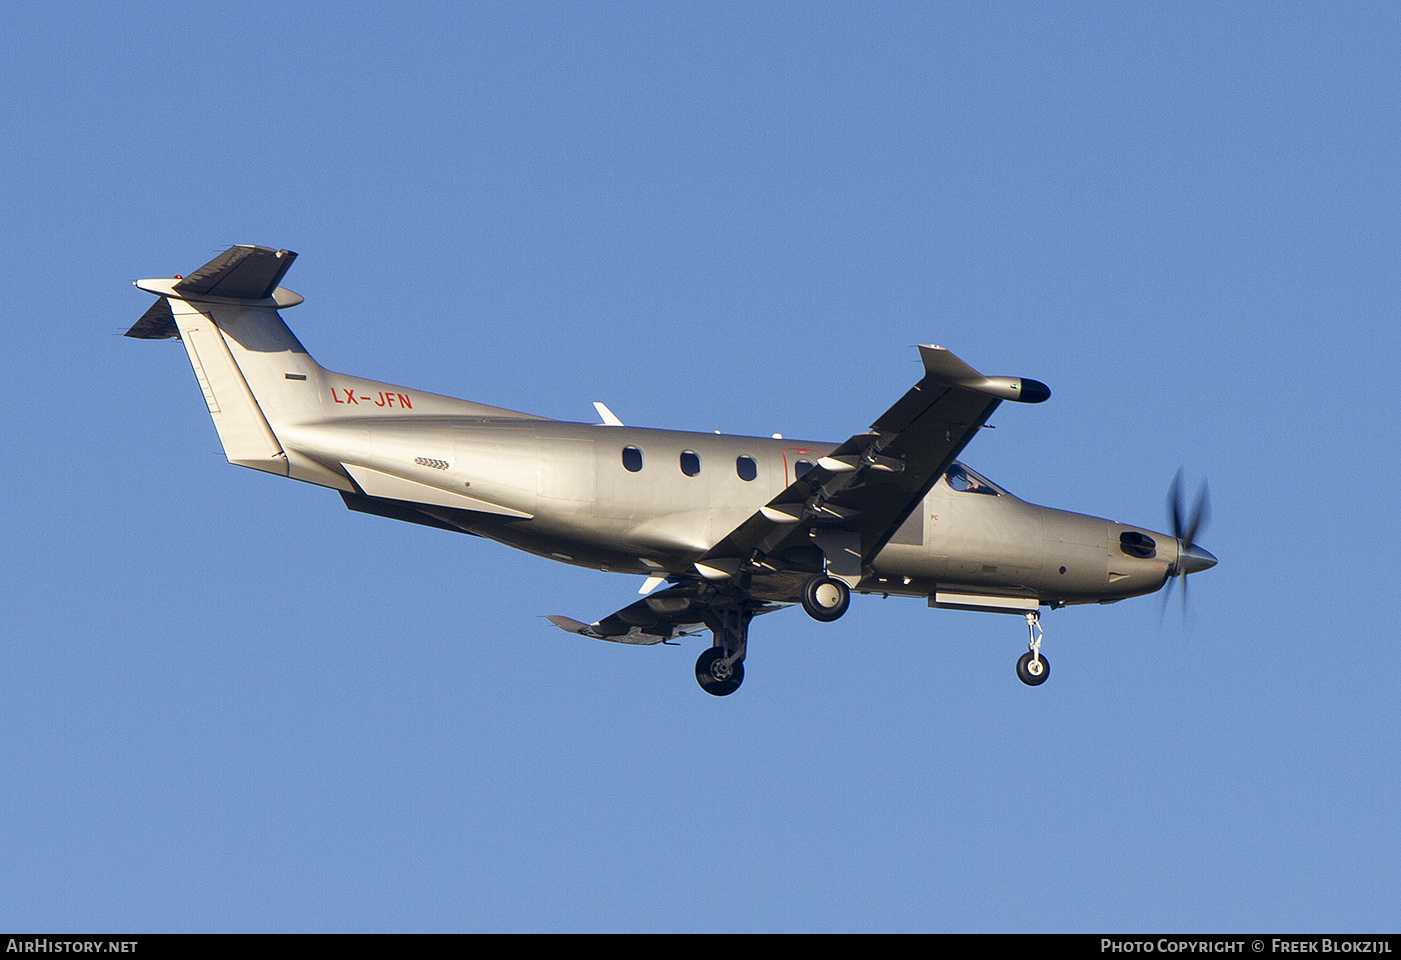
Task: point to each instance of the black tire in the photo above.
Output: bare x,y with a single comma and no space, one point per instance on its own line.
826,598
1024,668
708,666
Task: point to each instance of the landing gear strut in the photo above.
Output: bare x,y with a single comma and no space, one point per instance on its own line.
720,670
1032,668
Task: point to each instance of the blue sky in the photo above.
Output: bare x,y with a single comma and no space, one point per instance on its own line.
231,704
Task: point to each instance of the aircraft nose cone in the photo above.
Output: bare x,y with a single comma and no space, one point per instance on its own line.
1193,559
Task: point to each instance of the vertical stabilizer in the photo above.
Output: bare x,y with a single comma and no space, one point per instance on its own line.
270,401
225,313
247,438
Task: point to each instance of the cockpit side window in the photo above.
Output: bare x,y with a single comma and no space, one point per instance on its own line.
966,481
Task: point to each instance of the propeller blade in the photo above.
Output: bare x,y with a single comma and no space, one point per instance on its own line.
1167,596
1201,515
1174,504
1186,525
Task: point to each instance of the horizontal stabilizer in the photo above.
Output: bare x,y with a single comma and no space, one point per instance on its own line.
244,272
157,323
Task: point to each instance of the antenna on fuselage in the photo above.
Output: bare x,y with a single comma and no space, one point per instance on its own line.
610,419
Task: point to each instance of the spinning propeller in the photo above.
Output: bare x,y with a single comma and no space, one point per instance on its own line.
1185,527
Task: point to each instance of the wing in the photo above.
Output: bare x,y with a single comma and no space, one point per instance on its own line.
678,611
851,503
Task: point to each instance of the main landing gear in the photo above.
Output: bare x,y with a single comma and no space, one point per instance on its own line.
720,670
717,676
1032,668
825,598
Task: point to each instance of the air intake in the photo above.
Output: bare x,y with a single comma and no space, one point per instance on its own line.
1137,544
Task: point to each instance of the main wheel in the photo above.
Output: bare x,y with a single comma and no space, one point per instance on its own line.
714,677
826,598
1033,671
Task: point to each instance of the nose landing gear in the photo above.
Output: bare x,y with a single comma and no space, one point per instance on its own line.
1032,668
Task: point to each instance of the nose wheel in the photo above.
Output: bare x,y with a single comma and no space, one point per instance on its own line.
1032,668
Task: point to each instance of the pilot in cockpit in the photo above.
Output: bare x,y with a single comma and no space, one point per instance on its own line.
965,481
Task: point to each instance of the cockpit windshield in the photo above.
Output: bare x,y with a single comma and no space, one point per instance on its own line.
965,480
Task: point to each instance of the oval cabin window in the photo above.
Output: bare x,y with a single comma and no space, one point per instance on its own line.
746,468
690,463
632,459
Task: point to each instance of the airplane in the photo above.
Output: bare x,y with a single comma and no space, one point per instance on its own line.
731,526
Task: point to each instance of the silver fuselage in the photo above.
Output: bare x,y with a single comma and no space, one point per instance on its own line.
586,508
566,490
